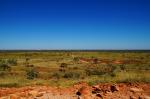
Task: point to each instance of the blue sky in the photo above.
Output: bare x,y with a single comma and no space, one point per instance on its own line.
74,24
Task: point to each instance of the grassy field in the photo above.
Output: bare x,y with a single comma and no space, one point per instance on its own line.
64,68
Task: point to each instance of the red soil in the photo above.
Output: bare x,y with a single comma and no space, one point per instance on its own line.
80,91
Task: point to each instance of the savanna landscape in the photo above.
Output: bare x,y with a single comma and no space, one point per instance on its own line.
74,49
75,74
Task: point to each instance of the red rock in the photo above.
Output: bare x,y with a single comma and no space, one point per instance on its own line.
84,90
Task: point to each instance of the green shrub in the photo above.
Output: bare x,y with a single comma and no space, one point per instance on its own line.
122,67
27,63
5,64
12,61
5,67
31,74
76,59
2,61
63,65
113,74
67,75
99,69
71,75
56,75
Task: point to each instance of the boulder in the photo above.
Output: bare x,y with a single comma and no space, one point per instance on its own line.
84,92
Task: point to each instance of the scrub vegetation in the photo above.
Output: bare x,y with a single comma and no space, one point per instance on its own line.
64,68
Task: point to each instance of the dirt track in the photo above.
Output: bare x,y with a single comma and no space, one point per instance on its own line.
80,91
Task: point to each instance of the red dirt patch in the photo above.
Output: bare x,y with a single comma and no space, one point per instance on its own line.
81,90
107,61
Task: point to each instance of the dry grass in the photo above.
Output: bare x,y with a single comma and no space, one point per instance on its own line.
48,63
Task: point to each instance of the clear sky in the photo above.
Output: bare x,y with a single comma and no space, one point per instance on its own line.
74,24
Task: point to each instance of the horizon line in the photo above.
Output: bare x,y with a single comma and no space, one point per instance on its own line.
66,49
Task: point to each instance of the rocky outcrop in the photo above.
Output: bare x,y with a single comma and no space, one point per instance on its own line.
80,90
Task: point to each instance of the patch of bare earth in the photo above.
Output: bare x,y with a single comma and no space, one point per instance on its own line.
80,90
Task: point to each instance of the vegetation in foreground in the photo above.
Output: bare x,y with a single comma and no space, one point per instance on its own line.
65,68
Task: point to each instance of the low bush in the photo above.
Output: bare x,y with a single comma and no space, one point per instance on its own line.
12,61
66,75
4,67
31,74
56,75
63,65
74,75
99,69
76,59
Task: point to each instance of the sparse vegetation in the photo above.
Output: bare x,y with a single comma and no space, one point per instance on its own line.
12,62
55,67
76,60
31,74
63,67
4,66
99,69
73,75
